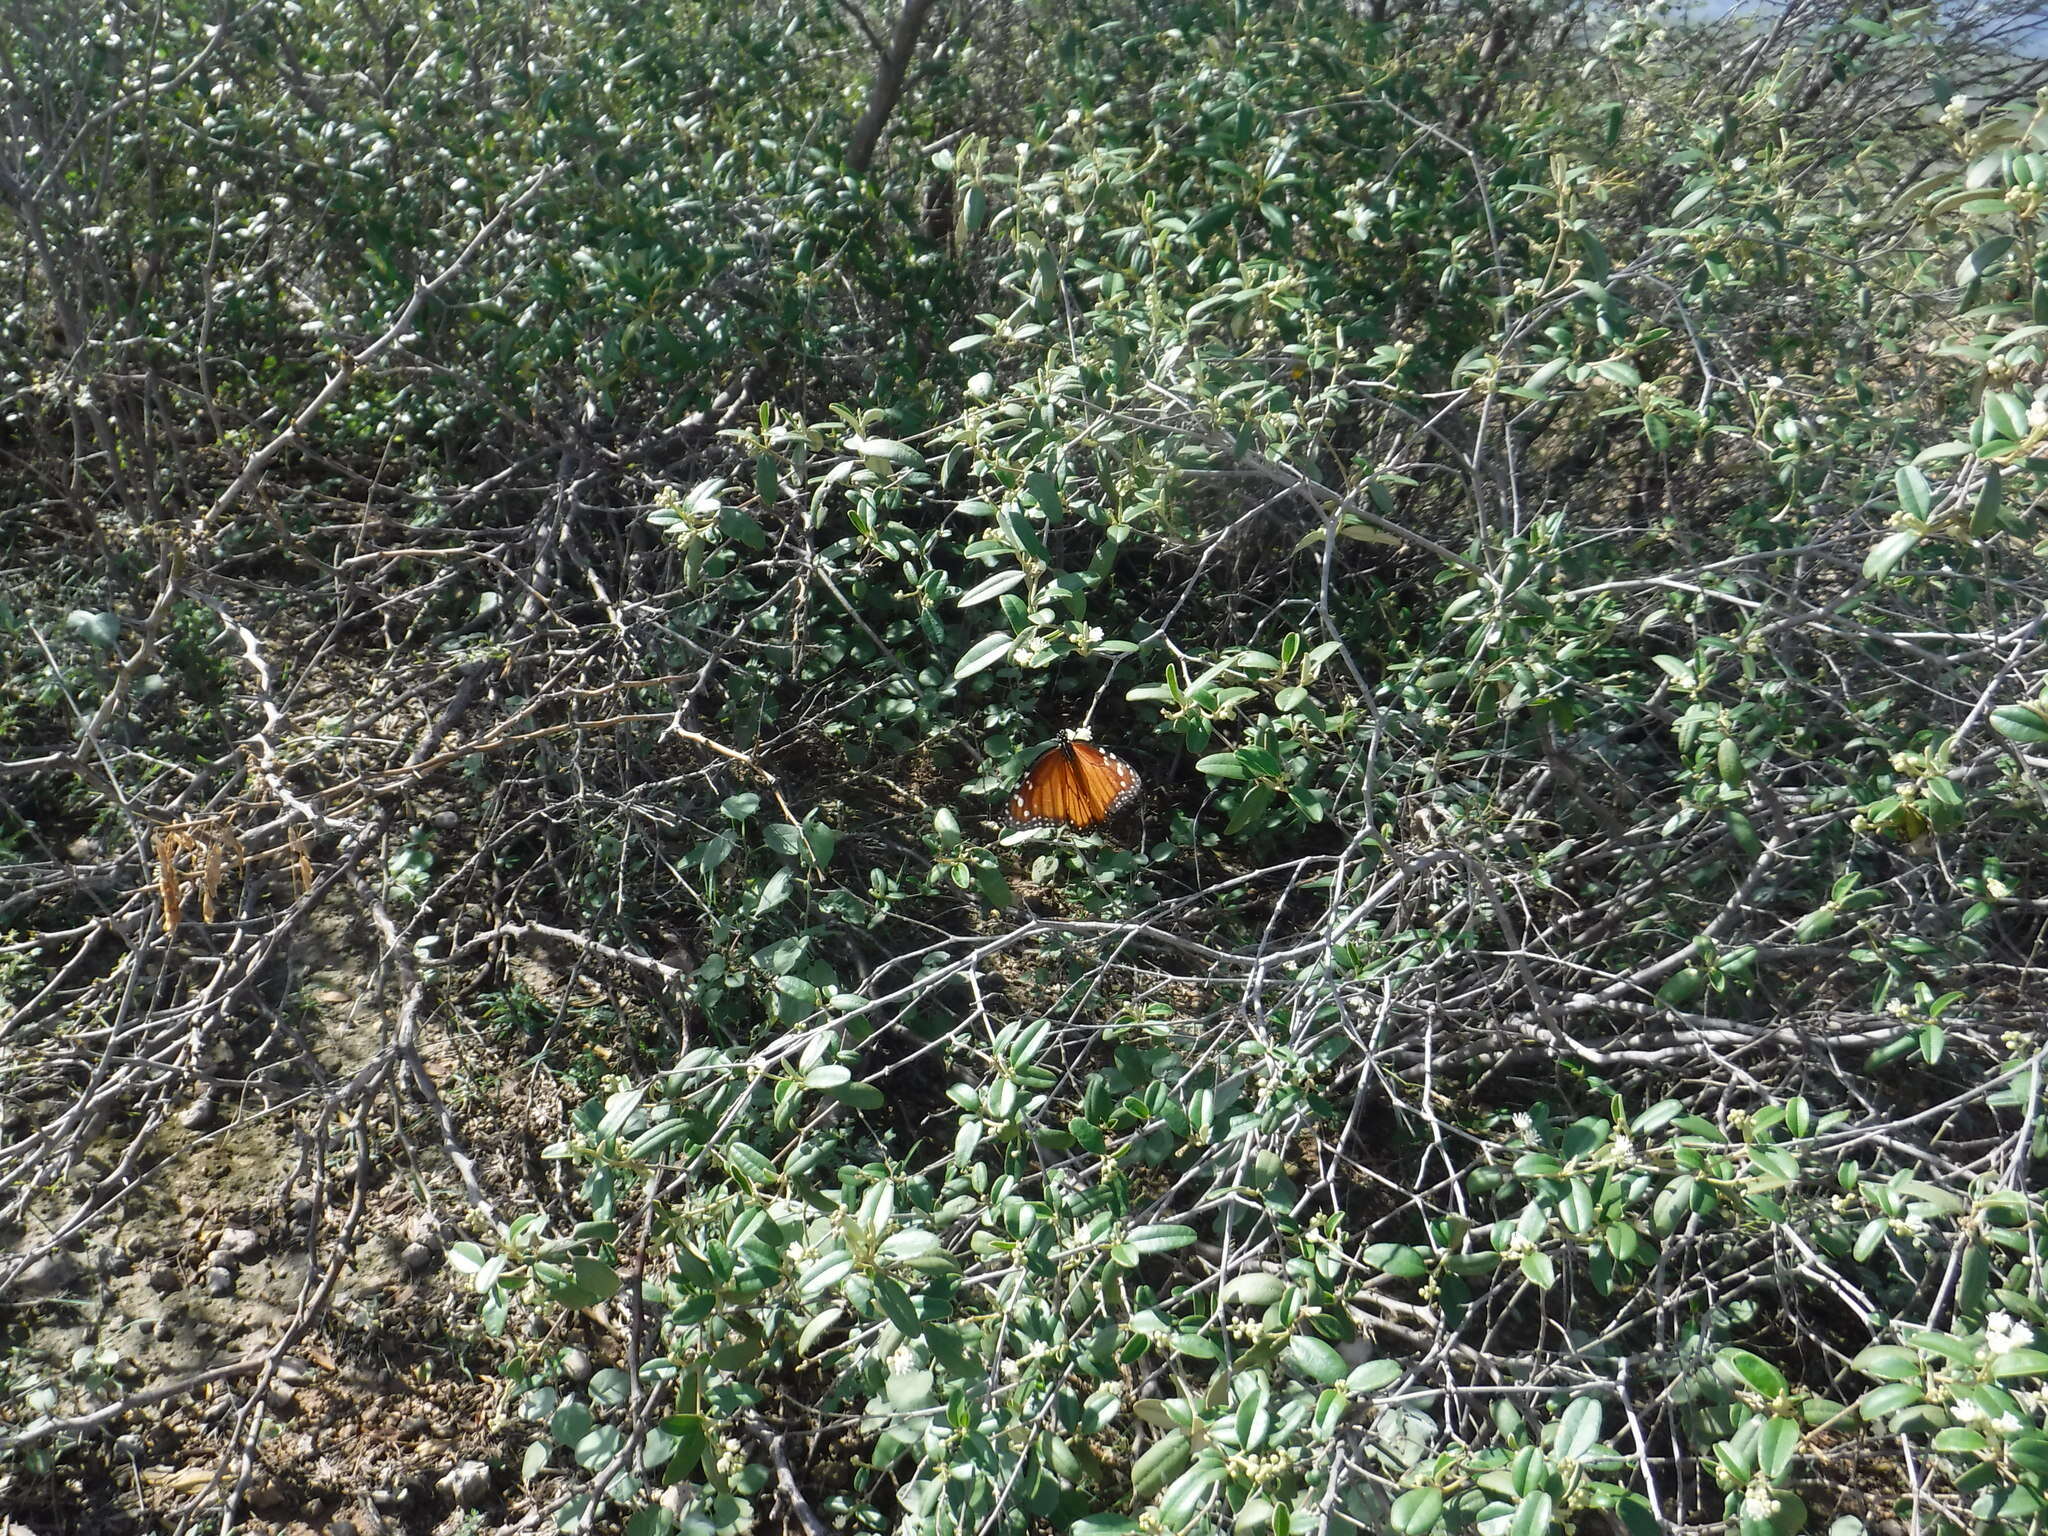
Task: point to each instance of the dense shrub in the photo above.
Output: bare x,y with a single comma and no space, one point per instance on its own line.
1550,507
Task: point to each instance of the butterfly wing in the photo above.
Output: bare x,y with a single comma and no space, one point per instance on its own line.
1074,785
1108,783
1049,794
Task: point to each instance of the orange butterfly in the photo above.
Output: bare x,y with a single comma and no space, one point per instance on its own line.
1074,785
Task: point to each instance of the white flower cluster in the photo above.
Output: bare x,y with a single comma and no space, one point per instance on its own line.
2003,1334
1964,1411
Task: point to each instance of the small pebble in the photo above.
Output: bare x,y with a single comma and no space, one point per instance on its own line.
302,1210
220,1281
129,1447
447,820
576,1365
293,1371
51,1273
281,1400
415,1425
342,1528
200,1113
417,1257
240,1242
164,1280
114,1261
468,1484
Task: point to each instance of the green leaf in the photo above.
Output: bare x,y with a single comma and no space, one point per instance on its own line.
2029,1452
1256,1289
821,1275
908,1391
599,1446
2024,723
1983,259
1416,1512
744,1160
1890,550
1758,1372
1916,496
1250,809
1316,1359
2019,1362
1881,1402
1162,1461
897,1306
1578,1429
1254,1417
1577,1207
1682,987
583,1282
994,587
1776,1447
1025,533
1160,1239
2005,414
983,654
860,1095
1372,1375
1190,1493
572,1421
1987,516
536,1457
1396,1259
886,450
1680,672
910,1245
1045,491
1533,1518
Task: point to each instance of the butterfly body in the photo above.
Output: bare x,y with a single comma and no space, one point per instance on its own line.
1075,784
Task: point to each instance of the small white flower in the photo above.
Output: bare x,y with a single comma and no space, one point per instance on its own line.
2007,1424
1963,1411
1759,1502
902,1360
2004,1334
